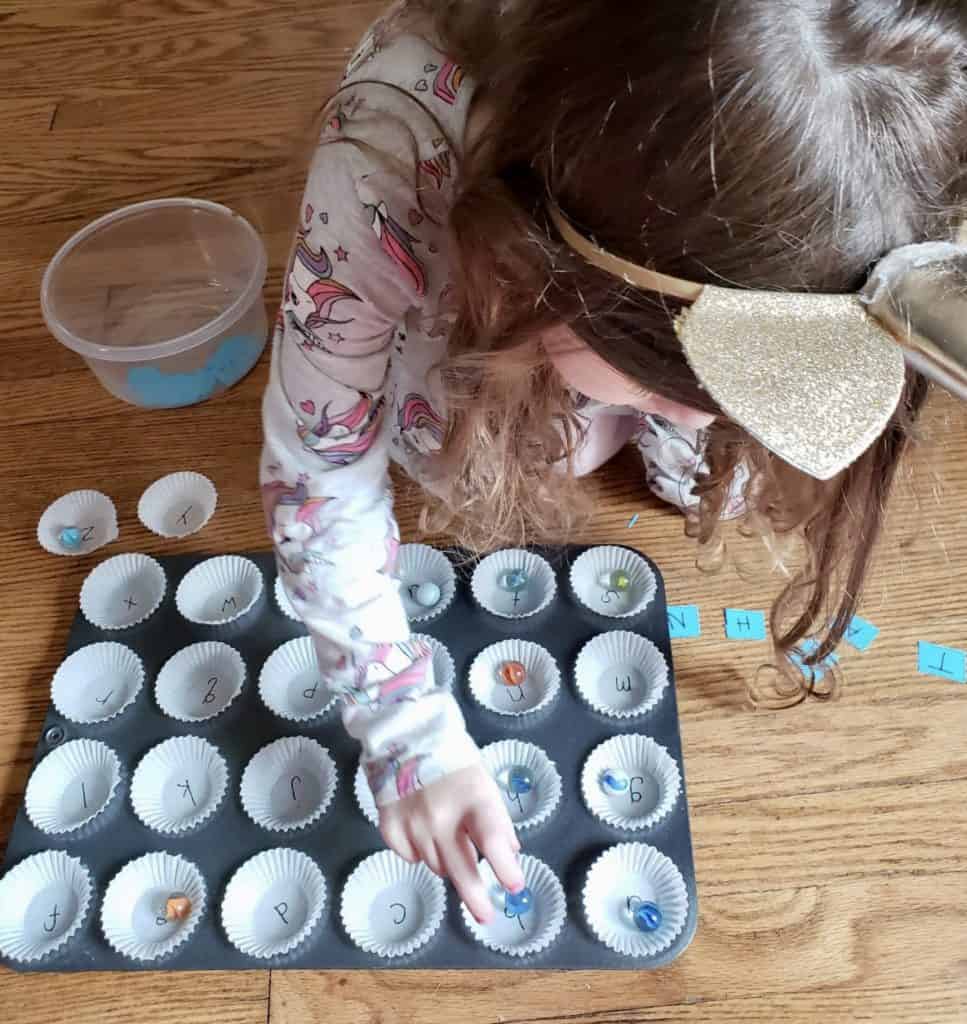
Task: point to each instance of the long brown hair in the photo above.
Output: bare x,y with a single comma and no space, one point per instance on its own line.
751,143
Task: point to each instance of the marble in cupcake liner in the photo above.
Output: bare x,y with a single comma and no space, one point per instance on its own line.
123,591
90,513
537,595
589,582
178,784
527,810
178,504
419,563
538,691
97,683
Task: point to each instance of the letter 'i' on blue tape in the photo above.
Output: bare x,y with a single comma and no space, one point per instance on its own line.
861,634
683,621
744,625
943,662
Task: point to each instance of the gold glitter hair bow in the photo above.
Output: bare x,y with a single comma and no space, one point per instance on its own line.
816,378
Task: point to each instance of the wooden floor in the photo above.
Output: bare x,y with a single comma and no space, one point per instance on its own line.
831,841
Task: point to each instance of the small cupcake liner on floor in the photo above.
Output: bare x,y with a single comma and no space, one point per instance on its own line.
592,585
391,908
123,591
273,902
283,602
219,590
288,784
97,683
72,785
178,784
490,579
178,504
291,685
623,877
541,685
78,523
44,900
444,671
364,796
420,564
648,778
532,808
529,933
152,906
200,681
621,674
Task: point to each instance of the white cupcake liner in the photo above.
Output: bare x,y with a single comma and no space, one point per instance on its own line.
291,685
123,591
90,512
444,671
419,563
283,602
654,782
533,932
97,683
178,504
364,796
272,902
621,674
527,810
44,900
391,908
538,690
538,594
624,872
200,681
72,785
133,915
219,590
178,784
597,563
288,784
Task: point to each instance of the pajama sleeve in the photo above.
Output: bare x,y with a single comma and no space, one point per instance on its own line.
354,273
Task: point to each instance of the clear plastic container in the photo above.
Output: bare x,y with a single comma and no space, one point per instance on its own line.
162,299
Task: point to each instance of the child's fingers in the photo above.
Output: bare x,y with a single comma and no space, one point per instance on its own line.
395,837
427,849
499,850
460,861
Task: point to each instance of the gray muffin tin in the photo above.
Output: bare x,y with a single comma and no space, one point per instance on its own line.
569,841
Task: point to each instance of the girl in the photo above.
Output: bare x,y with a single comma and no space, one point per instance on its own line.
534,235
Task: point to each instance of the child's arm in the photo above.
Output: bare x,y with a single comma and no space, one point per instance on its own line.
329,510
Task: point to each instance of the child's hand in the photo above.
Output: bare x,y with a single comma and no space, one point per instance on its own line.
442,824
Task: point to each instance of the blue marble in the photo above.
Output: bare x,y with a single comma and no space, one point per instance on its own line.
516,904
426,595
70,537
648,917
614,780
513,580
520,780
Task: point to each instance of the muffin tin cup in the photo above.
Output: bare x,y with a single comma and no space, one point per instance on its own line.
97,683
364,796
531,933
291,685
653,782
527,810
419,563
200,681
73,784
444,671
219,590
621,674
391,908
283,602
123,591
44,900
179,784
178,504
591,585
536,595
136,917
623,876
541,684
88,518
288,784
273,902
